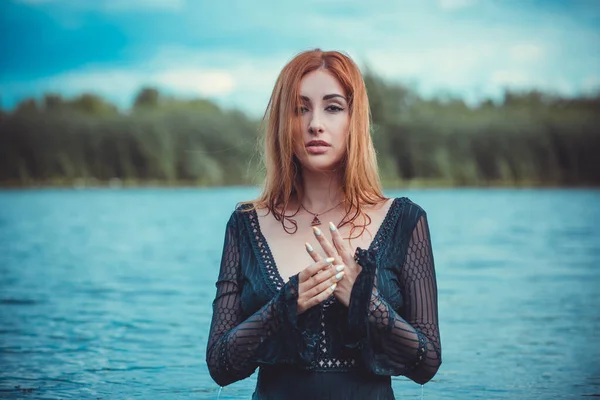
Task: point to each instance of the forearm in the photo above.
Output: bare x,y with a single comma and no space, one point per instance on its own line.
408,346
233,355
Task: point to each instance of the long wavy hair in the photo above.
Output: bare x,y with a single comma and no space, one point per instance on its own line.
282,128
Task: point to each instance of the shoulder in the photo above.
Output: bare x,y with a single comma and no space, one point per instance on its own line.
410,207
407,214
405,207
239,212
243,207
247,211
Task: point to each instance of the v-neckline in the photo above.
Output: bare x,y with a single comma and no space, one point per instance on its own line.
267,262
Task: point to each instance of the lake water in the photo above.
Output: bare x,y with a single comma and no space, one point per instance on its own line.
106,294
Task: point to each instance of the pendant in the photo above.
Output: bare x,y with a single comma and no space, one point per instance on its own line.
315,221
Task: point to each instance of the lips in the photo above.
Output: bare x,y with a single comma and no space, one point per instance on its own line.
316,147
317,143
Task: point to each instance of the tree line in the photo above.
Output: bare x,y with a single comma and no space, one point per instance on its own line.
527,139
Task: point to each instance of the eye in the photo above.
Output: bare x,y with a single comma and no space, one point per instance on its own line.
334,108
301,110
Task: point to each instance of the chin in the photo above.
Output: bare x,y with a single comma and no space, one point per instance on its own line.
320,164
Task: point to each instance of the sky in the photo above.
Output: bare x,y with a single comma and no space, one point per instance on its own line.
231,51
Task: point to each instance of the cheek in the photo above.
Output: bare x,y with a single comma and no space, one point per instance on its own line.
342,129
301,132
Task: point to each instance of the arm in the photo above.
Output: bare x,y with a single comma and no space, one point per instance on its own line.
236,345
410,344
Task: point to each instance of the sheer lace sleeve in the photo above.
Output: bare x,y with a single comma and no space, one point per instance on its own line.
393,344
236,345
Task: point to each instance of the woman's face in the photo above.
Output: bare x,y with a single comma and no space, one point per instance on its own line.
325,121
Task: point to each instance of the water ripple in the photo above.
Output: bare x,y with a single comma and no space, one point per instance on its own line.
107,294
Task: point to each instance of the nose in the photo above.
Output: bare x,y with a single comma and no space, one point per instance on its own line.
315,126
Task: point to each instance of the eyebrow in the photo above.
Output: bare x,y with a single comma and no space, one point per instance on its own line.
326,97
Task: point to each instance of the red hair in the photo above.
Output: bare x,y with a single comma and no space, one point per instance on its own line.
359,175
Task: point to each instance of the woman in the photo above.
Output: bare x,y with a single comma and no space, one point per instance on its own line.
324,316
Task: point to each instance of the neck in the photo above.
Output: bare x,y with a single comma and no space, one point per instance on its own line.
322,191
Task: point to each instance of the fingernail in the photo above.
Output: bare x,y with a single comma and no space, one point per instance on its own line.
339,276
330,260
317,231
332,227
339,268
308,247
332,287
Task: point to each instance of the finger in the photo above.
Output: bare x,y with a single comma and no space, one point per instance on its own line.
338,241
309,271
321,297
327,247
334,278
318,278
314,281
312,253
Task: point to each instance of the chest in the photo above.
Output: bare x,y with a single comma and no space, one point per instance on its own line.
275,256
288,251
263,278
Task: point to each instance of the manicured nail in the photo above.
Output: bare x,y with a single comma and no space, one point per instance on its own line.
339,268
308,247
332,227
329,260
339,276
317,231
332,287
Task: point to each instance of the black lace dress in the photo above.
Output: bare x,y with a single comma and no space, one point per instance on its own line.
330,351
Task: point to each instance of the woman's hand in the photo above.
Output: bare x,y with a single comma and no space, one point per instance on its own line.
342,258
316,283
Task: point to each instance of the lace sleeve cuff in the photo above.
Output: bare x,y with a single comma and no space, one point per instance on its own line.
300,340
421,351
292,343
360,298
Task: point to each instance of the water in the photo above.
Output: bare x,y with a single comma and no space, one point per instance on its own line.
106,293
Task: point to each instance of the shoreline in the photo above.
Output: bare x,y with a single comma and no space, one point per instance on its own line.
116,184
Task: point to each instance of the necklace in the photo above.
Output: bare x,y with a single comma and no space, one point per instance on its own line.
316,220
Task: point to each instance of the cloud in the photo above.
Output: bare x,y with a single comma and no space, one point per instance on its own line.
450,5
591,84
445,67
513,78
234,58
252,76
121,85
173,5
196,81
527,80
244,81
38,2
110,5
527,52
228,78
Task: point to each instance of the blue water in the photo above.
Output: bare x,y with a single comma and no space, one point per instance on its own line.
105,294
